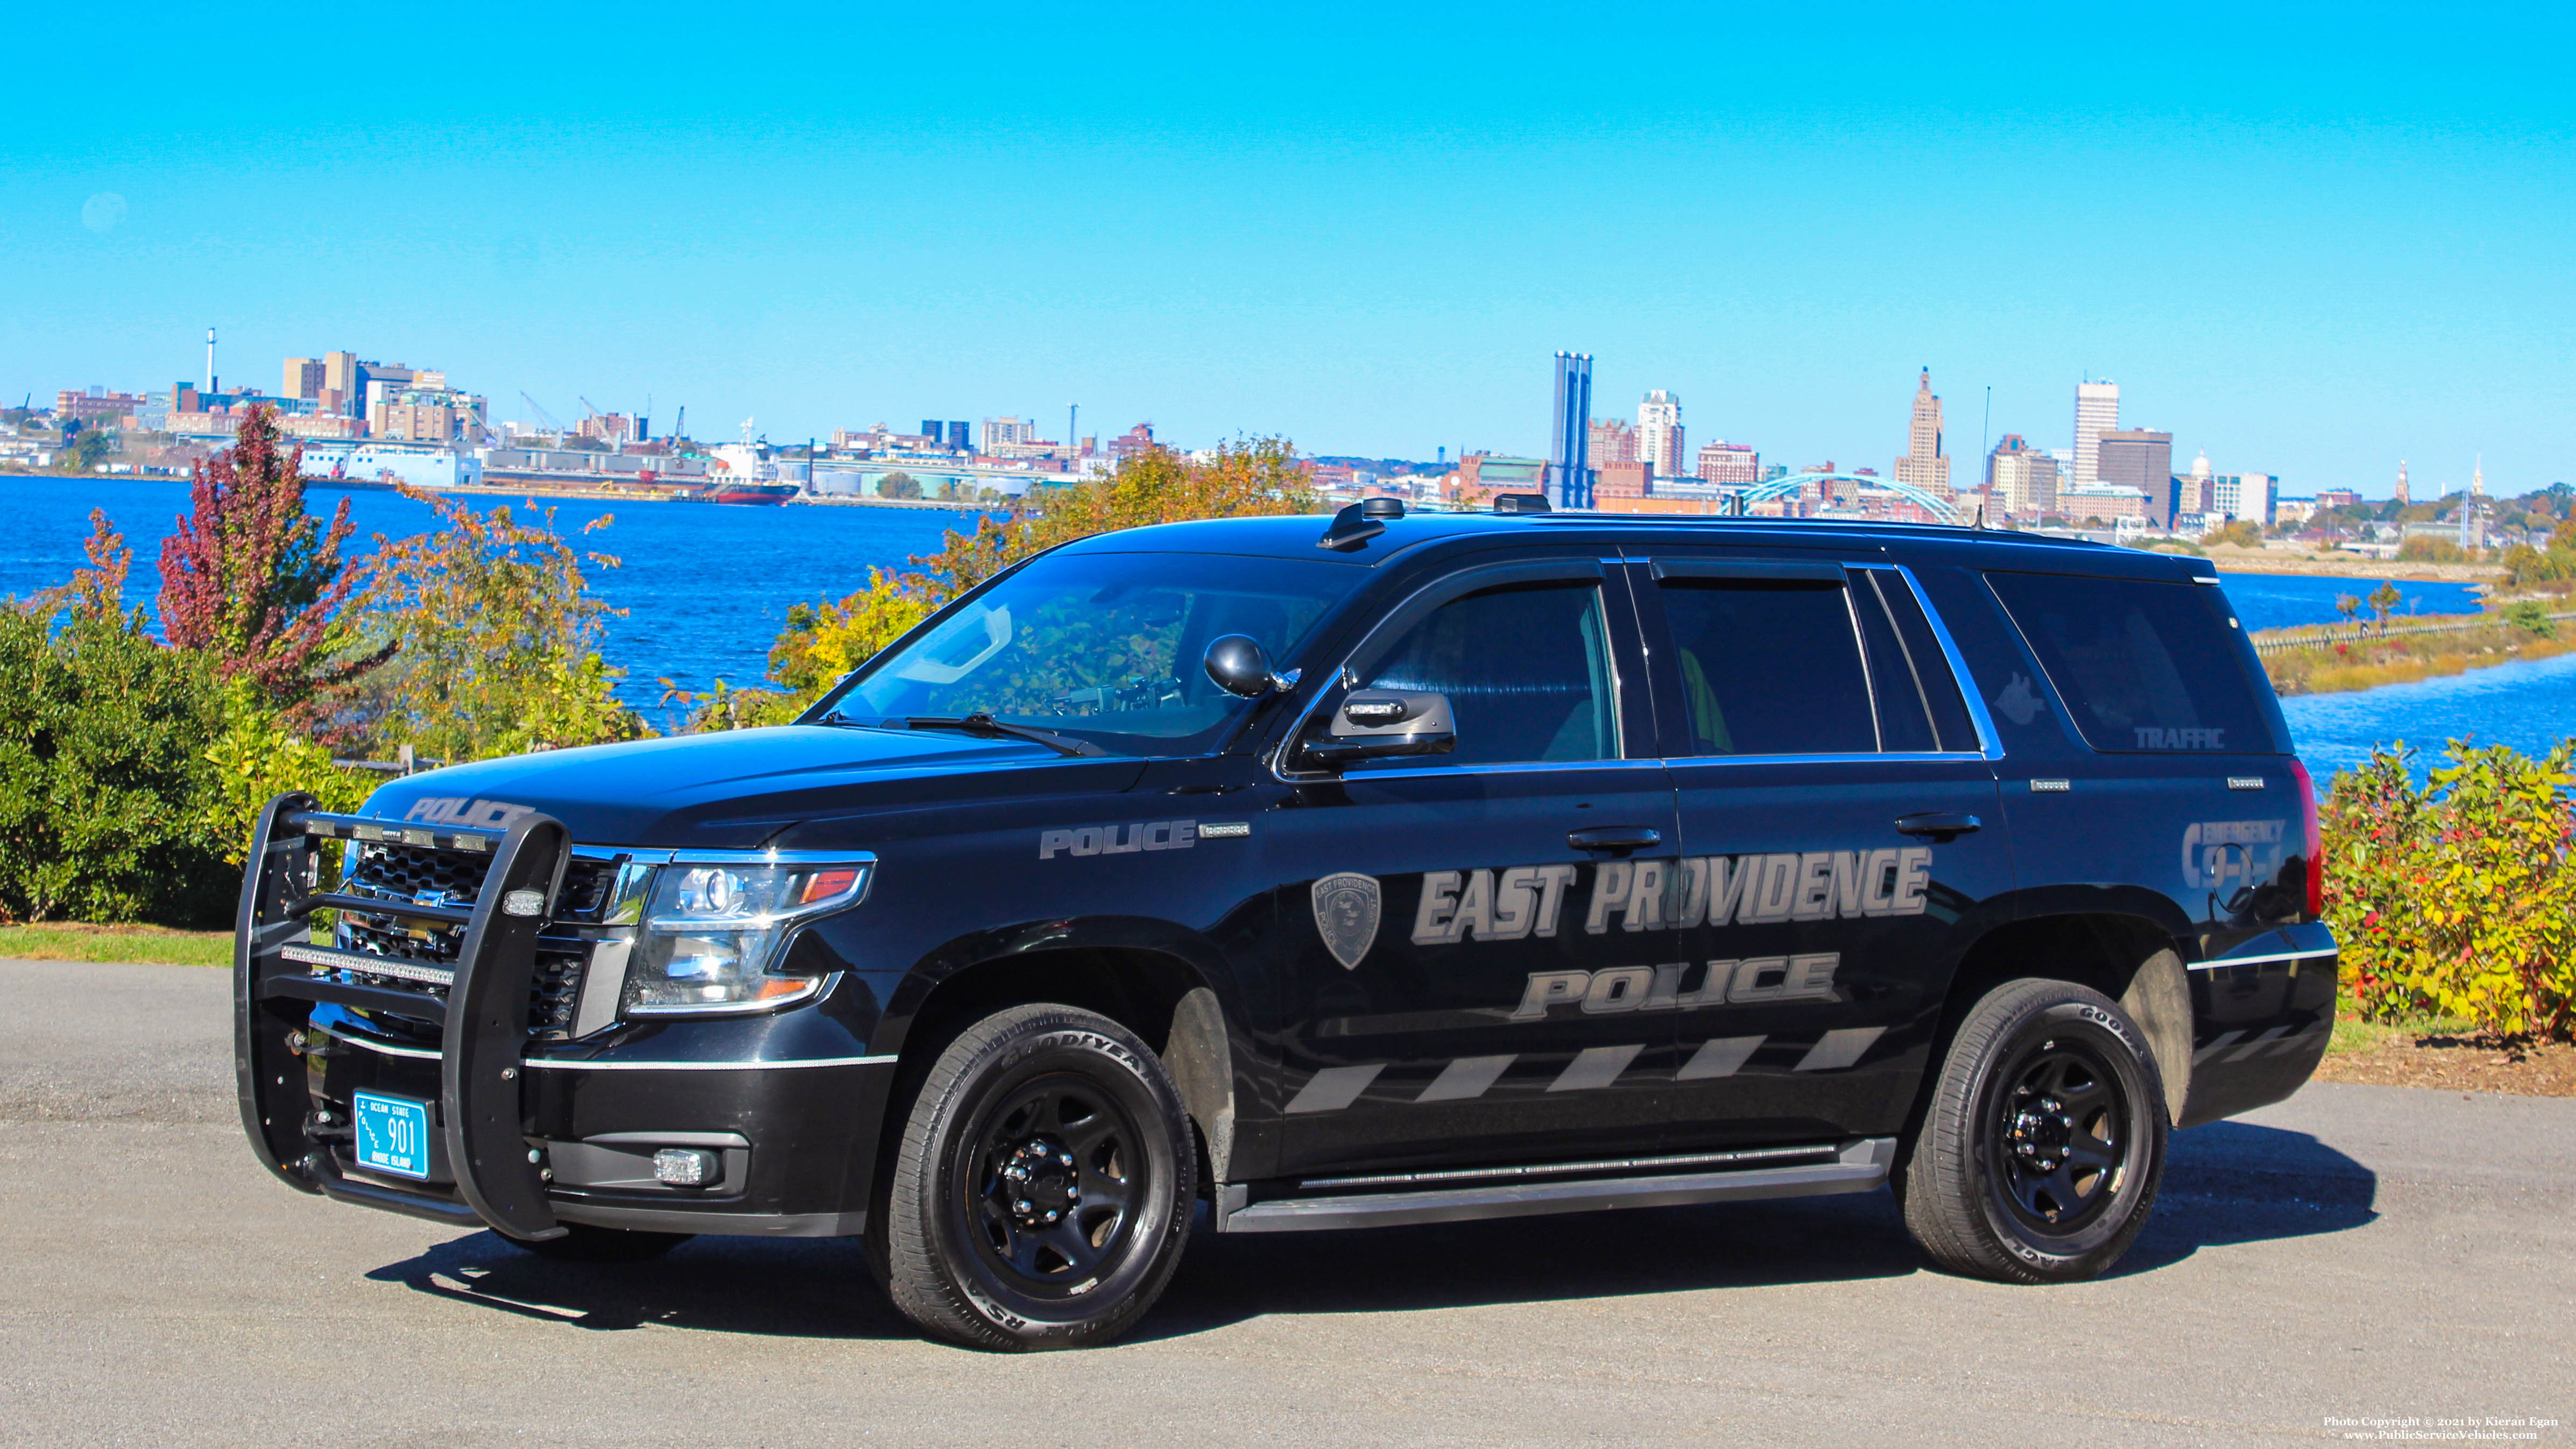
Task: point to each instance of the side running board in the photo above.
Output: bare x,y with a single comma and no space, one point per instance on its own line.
1857,1165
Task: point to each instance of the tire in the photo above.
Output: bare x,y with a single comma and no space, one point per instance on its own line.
582,1243
2043,1142
1041,1195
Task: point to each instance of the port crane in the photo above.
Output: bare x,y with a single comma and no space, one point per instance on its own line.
547,418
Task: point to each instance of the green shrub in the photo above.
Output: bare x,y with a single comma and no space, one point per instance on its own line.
102,773
2458,898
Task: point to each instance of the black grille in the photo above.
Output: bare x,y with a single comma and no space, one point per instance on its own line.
423,875
414,872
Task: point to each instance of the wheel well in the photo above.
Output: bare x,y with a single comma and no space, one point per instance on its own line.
2104,952
1140,990
1136,989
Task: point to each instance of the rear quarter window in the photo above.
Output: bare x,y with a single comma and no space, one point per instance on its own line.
2143,666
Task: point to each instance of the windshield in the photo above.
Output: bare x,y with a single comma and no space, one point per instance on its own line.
1104,647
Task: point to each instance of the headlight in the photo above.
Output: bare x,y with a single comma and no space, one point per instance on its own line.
714,929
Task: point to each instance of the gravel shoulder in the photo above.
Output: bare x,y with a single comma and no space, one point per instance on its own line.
2357,1251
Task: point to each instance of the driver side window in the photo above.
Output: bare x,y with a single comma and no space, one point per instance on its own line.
1525,668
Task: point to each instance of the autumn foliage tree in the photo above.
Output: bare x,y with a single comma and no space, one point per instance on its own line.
824,641
493,636
254,580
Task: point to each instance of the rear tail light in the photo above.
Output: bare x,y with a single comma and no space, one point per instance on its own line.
2314,839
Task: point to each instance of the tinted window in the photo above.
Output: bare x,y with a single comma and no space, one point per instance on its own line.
1526,670
1926,668
2141,665
1768,667
1105,647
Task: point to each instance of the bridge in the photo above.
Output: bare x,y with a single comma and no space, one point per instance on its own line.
1941,509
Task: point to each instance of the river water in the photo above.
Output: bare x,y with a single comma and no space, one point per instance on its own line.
706,588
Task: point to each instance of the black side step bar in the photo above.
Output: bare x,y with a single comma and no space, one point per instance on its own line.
1857,1165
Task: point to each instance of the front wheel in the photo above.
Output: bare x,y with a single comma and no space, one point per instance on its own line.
1042,1193
2042,1146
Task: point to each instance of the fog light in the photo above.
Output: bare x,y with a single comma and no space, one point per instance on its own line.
686,1167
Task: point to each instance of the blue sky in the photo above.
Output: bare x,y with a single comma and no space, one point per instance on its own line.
2309,241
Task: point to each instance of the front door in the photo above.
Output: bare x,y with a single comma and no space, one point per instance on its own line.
1840,832
1453,989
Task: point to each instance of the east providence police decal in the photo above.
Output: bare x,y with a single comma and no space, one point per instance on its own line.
1346,916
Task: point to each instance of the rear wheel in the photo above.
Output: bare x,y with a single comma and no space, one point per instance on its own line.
2040,1153
1042,1193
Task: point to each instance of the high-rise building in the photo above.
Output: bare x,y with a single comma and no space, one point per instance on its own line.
1570,433
2141,459
1924,465
2021,481
303,378
1613,441
997,431
2249,496
1659,434
2097,411
1725,462
2403,496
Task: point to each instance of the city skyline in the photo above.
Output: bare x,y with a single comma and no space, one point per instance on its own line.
2300,268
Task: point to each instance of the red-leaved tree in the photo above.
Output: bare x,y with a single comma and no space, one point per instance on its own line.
253,579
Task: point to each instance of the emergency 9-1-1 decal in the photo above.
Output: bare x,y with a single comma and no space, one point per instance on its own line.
1671,895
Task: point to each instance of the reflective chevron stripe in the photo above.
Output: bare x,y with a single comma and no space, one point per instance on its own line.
2214,1048
1464,1078
1595,1067
1722,1057
1334,1088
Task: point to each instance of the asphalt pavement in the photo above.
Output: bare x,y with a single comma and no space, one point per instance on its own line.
2358,1253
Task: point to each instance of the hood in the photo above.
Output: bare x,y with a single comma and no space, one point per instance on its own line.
734,789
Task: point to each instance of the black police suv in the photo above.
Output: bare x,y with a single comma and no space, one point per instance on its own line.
1385,869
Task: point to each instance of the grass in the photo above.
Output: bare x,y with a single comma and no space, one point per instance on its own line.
2352,1035
154,945
2405,658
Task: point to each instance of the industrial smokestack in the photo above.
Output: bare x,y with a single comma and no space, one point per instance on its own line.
210,359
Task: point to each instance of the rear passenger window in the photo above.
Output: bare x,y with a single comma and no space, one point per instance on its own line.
2142,665
1769,667
1920,672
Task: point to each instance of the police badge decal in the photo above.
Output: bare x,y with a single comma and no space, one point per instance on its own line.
1346,916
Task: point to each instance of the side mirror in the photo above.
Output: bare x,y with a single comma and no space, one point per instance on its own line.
1377,724
1238,665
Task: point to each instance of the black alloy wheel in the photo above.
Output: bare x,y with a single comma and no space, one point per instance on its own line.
2042,1140
1052,1190
2053,1136
1041,1195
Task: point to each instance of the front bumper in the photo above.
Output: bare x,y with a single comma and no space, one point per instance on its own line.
527,1136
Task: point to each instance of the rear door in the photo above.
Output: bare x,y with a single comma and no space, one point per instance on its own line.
1840,835
1444,1001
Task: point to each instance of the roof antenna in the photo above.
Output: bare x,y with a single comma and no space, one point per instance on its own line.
1981,513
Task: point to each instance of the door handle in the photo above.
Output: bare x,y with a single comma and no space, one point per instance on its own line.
1616,839
1939,825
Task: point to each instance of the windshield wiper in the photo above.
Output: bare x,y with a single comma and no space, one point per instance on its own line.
980,723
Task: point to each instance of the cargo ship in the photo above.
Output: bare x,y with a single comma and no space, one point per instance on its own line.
742,473
726,491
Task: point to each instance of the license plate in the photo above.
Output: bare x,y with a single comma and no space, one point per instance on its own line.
393,1134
